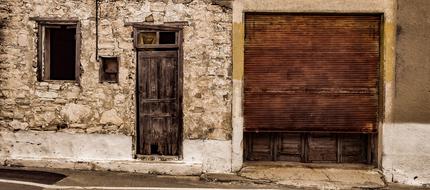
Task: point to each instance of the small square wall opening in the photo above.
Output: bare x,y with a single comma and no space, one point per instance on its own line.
109,69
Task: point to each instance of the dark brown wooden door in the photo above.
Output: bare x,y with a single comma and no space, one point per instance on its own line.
310,79
159,111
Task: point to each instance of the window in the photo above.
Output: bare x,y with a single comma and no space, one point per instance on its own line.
156,39
109,69
147,38
167,38
58,50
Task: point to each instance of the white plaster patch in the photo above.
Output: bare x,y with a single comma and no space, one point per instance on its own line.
59,145
237,121
406,153
215,155
170,168
193,151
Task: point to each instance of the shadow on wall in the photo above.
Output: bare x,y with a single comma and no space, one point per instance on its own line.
4,12
412,98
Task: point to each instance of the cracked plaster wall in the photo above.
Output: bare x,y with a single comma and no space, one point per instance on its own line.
406,147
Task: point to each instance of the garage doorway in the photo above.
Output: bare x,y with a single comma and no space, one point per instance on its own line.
311,87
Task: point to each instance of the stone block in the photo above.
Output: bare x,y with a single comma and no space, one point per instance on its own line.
111,117
17,125
47,95
74,113
23,40
54,86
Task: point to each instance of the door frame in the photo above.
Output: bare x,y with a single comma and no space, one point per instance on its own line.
387,9
171,27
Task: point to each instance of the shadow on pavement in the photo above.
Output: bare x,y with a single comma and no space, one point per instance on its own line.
31,176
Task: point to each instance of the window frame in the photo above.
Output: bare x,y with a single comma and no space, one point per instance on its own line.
157,40
139,28
43,53
102,72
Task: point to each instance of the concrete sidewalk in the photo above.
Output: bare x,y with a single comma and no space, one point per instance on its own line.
312,176
316,177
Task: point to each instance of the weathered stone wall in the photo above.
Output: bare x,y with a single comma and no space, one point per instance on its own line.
4,18
94,107
406,145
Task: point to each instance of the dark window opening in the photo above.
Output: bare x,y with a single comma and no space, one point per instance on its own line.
58,46
109,69
62,53
167,38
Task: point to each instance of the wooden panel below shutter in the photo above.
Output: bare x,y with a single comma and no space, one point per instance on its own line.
290,147
354,148
259,146
311,72
307,147
322,148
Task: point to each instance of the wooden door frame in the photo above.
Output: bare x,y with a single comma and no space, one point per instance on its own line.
387,8
173,27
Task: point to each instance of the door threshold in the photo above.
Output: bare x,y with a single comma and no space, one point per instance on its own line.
310,165
156,157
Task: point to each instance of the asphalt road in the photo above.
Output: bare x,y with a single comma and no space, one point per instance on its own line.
35,179
8,186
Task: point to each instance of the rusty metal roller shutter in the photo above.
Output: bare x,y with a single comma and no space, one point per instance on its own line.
307,72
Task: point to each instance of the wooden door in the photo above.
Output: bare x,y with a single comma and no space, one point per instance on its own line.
310,73
159,103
